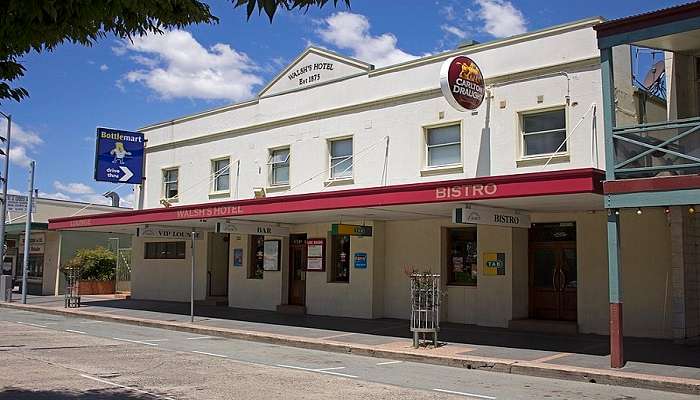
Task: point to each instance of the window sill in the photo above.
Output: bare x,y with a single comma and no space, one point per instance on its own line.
277,188
447,169
542,160
339,181
218,195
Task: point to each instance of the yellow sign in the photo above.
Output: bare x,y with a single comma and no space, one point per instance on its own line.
353,230
494,264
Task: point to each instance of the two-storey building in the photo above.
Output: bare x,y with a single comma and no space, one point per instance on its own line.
320,193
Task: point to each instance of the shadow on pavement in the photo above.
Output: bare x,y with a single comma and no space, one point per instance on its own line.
10,393
655,351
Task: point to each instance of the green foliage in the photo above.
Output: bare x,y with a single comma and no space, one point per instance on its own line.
96,264
41,25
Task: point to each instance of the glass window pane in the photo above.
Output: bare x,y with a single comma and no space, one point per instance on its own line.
544,121
280,174
544,143
462,256
341,148
340,248
444,134
444,155
340,168
222,182
280,156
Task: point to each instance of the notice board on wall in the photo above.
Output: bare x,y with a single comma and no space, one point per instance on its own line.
494,264
315,254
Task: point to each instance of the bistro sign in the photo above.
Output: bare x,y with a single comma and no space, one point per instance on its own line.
462,83
480,215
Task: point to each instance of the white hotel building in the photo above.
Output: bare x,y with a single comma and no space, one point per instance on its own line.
333,140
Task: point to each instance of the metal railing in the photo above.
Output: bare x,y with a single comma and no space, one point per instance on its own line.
425,306
657,149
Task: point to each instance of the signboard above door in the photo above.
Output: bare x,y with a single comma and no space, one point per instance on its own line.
352,230
249,228
167,232
480,215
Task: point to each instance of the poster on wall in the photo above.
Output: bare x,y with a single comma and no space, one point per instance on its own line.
361,260
271,257
315,254
237,257
494,264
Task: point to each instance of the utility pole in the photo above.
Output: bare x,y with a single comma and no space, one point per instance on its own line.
192,280
27,231
4,181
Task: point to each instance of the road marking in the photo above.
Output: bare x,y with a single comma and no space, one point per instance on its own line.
330,369
135,341
92,322
389,362
552,357
31,324
209,354
320,371
50,323
74,331
478,396
106,382
155,340
199,337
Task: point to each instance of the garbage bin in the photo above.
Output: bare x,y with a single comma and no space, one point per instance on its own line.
6,288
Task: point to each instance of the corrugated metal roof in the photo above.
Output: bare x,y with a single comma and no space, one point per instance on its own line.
647,19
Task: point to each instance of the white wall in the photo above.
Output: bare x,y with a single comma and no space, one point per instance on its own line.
168,279
262,294
279,122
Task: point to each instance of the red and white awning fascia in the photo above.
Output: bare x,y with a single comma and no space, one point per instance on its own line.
573,181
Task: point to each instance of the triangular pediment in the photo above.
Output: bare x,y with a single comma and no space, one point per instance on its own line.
313,67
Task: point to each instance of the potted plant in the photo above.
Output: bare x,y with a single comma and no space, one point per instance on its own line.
97,268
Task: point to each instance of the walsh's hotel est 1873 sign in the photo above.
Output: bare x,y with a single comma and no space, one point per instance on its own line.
462,83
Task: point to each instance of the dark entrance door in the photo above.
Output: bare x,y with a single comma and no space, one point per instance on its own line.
297,269
553,272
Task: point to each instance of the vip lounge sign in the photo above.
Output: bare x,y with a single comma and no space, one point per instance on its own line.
251,229
166,232
462,83
479,215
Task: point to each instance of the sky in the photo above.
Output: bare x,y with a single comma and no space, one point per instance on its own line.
127,85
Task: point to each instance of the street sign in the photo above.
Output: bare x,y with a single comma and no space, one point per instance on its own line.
119,156
18,203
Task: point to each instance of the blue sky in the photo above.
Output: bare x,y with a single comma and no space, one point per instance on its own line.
128,85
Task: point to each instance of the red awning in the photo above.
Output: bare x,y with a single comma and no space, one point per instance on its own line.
586,180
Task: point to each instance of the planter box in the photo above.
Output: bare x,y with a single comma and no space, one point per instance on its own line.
96,287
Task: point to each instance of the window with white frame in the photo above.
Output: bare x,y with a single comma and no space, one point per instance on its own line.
443,145
341,158
279,166
170,183
543,132
221,174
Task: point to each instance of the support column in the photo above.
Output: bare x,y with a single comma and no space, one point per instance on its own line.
617,359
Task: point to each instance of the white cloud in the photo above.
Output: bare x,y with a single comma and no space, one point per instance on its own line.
104,67
73,187
176,65
454,31
23,142
18,156
501,18
351,31
13,191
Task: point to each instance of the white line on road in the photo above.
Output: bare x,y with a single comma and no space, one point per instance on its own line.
320,371
135,341
478,396
389,362
155,340
209,354
329,369
106,382
199,337
31,324
74,331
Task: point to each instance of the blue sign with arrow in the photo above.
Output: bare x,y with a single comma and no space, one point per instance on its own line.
119,156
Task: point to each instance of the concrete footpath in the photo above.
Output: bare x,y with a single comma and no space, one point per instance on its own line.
653,364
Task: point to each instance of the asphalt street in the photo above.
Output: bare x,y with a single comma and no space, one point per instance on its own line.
54,357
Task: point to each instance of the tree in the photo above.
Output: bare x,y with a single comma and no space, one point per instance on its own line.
42,25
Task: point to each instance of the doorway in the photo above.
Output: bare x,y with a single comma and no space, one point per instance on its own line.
297,269
217,265
553,271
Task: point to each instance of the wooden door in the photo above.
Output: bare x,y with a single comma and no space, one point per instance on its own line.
553,281
297,269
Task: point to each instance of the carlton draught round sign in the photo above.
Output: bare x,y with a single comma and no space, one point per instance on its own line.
462,83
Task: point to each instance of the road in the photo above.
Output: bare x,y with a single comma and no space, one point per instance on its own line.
54,357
